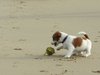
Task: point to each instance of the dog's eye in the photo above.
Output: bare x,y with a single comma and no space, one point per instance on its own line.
54,39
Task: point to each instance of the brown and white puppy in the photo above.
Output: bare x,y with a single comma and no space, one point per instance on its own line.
72,43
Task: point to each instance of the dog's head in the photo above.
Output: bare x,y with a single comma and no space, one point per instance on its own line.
56,38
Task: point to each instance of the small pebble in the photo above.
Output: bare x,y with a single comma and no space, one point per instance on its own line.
98,71
95,41
43,71
17,48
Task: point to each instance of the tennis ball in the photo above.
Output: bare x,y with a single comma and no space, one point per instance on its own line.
50,51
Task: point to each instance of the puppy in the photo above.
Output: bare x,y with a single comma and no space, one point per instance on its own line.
72,43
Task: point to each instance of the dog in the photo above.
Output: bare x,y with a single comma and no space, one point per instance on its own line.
73,44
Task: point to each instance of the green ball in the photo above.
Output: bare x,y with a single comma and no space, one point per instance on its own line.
50,51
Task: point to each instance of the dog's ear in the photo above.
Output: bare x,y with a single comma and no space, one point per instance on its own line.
56,36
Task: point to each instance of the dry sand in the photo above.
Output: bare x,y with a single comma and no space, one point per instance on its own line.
26,27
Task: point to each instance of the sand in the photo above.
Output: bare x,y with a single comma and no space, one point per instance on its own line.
26,28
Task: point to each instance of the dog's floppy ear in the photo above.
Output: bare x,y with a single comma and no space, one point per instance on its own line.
56,36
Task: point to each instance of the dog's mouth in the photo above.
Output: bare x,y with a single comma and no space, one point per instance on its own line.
55,44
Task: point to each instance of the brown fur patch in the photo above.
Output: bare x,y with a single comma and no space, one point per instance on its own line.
77,42
56,36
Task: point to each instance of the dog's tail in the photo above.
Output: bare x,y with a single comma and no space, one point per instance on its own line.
85,34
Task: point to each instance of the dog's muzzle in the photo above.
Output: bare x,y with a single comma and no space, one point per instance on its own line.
54,43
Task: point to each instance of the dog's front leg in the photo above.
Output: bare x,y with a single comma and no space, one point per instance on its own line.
61,47
69,52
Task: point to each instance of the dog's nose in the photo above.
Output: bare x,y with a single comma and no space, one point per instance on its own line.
52,43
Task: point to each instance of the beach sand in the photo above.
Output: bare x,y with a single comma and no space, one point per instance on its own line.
26,28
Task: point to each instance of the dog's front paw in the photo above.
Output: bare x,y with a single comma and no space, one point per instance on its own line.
67,56
59,48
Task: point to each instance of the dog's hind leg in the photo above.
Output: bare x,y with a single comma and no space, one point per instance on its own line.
88,50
